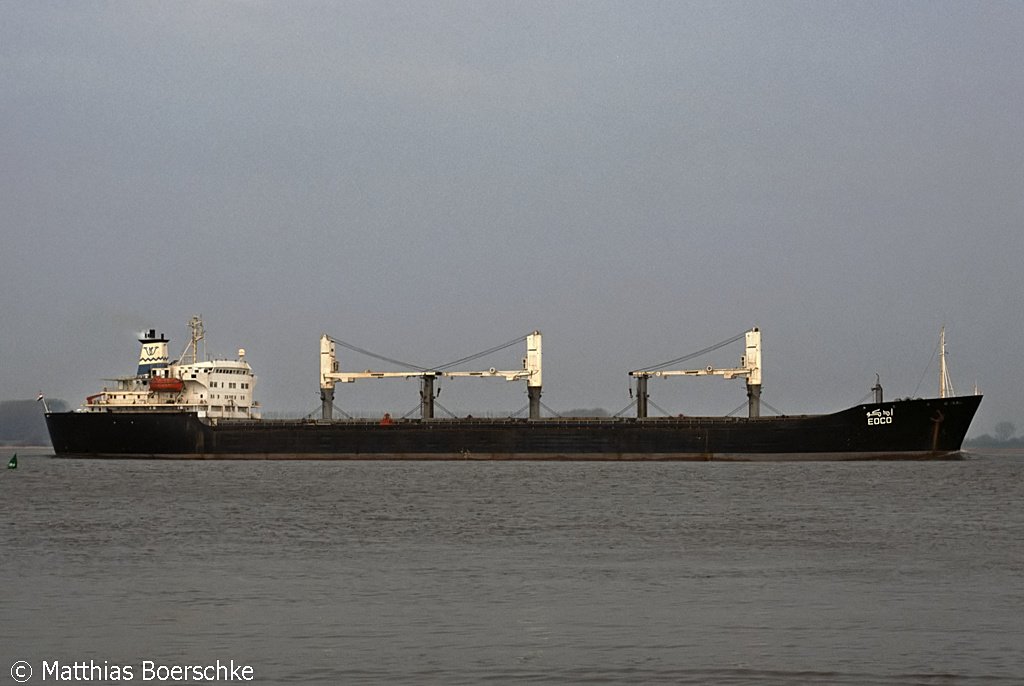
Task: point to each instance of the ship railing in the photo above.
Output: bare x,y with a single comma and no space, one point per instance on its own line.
482,421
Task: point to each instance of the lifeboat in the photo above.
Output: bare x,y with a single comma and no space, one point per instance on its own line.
163,385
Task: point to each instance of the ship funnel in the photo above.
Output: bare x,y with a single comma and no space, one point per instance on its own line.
153,354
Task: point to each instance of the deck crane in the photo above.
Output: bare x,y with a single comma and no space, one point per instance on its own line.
530,372
750,368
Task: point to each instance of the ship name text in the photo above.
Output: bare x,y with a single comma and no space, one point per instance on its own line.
878,416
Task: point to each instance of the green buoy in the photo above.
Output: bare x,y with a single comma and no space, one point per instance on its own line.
13,464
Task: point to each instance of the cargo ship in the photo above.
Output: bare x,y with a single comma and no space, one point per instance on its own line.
194,408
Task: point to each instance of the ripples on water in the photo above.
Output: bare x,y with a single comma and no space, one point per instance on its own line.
413,572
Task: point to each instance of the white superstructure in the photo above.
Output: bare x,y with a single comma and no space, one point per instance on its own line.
214,388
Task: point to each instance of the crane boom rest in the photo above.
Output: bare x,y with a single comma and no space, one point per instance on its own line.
750,369
330,375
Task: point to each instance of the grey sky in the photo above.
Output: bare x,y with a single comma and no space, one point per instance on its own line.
636,180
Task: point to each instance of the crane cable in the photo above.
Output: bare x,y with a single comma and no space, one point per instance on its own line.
364,351
409,365
478,355
684,358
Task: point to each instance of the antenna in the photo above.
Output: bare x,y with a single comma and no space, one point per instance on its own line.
196,326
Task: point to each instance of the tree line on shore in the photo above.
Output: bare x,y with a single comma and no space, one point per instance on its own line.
22,421
1003,437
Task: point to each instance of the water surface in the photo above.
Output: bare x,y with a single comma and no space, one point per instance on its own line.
469,572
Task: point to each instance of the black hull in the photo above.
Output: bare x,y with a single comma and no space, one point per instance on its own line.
906,429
